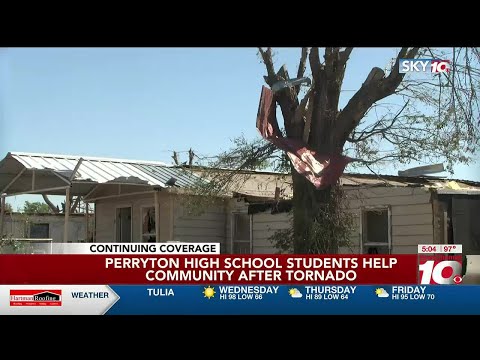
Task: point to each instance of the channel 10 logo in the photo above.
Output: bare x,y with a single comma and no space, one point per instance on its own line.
440,270
435,66
440,66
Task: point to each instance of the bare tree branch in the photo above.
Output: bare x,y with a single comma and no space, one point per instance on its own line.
375,87
335,66
315,65
300,111
303,62
50,204
319,98
345,54
395,77
287,99
268,61
75,204
364,135
302,66
382,158
467,110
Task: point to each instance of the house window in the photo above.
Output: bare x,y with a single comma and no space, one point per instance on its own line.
148,224
241,243
375,231
39,231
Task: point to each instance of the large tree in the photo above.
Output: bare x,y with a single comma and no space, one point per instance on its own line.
427,117
35,207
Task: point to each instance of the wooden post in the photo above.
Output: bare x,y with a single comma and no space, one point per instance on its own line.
86,221
251,233
157,217
2,215
172,217
67,213
94,222
445,227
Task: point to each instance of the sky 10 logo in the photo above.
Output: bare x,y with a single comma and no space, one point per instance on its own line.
435,66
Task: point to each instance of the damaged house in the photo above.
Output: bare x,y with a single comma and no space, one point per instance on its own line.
147,201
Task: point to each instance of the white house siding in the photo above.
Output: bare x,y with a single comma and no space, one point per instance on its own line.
209,225
15,225
104,221
106,209
411,221
176,225
411,211
264,226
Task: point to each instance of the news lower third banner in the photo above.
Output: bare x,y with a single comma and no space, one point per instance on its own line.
239,300
191,281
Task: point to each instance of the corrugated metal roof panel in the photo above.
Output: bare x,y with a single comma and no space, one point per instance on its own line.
102,170
349,180
184,178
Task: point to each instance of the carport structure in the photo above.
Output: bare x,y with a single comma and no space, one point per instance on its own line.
85,177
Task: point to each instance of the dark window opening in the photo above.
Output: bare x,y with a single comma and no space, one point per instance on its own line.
241,234
375,231
39,231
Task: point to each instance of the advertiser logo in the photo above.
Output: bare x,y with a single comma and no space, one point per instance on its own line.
28,297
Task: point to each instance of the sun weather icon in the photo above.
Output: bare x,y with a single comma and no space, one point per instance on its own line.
295,293
381,293
208,292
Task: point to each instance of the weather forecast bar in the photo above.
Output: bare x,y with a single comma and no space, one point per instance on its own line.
229,299
439,249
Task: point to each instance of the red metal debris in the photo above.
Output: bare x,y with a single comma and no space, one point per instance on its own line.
320,169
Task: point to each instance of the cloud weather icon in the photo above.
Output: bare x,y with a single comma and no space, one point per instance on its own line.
295,293
382,293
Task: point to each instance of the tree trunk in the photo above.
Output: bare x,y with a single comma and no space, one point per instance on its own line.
319,224
313,212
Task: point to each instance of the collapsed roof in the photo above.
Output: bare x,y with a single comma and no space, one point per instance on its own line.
34,173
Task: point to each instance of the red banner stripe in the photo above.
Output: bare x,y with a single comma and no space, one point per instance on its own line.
208,269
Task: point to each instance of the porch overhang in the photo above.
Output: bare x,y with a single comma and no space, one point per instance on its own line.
18,179
84,177
32,173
